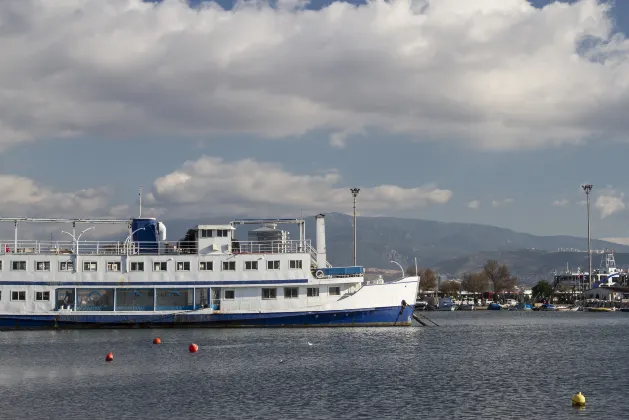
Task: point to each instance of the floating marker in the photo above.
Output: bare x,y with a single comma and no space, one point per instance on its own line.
109,357
578,400
156,340
193,348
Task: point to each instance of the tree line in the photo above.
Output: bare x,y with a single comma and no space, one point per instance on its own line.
493,273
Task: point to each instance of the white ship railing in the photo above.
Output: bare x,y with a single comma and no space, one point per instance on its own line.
34,247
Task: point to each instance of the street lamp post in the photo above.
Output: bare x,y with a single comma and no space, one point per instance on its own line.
129,237
76,244
588,189
399,265
355,192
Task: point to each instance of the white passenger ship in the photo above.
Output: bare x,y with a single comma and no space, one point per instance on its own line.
210,279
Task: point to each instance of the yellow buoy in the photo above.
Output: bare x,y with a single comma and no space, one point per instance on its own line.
578,400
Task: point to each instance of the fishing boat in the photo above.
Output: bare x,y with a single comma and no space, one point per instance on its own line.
208,279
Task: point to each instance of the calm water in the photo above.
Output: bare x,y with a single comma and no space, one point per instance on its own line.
504,365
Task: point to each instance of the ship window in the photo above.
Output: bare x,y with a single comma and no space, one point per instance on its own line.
19,295
137,266
269,293
183,265
18,265
206,266
90,266
295,264
222,233
229,265
312,292
113,266
334,291
230,294
206,233
0,265
251,265
272,265
42,266
291,292
42,296
160,266
66,266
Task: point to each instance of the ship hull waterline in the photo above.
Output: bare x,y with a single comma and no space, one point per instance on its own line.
382,317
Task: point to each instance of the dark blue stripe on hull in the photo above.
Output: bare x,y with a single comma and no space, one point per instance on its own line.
391,316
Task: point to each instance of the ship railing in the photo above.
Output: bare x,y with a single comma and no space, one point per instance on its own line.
313,256
35,247
271,247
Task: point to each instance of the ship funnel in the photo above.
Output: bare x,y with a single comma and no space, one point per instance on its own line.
321,250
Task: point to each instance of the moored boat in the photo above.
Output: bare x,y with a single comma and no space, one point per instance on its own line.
208,279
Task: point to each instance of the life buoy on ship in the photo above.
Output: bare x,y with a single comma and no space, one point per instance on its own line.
319,274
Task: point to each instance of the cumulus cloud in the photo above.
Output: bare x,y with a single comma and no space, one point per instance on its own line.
474,204
560,203
609,201
502,202
213,186
498,74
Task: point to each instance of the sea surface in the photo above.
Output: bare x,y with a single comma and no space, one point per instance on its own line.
473,365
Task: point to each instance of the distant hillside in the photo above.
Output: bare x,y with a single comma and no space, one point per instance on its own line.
450,247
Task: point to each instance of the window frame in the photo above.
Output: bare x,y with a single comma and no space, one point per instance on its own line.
44,263
288,293
310,292
69,265
254,266
232,291
298,264
18,292
206,264
271,291
90,264
184,263
39,296
272,264
21,264
160,264
336,288
139,266
229,266
112,263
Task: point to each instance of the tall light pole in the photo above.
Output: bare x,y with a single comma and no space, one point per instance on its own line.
355,192
588,189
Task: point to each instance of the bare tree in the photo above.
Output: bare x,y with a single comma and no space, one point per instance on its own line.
499,276
475,283
450,287
427,278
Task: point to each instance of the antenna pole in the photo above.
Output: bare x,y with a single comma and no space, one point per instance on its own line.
588,189
140,200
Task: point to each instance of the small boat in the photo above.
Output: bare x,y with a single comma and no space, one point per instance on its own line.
466,307
521,307
600,309
494,306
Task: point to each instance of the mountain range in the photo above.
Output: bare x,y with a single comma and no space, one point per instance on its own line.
450,248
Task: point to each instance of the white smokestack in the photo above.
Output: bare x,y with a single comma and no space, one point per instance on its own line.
321,251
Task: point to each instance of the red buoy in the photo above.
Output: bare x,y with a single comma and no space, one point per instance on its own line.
193,348
109,357
156,340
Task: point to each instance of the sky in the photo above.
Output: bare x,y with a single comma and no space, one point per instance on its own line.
491,111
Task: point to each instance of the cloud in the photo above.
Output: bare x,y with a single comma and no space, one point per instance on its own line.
496,74
609,202
24,197
560,203
474,204
501,203
213,186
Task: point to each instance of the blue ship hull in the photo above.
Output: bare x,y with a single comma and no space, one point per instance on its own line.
390,316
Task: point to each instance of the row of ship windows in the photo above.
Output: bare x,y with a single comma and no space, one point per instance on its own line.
229,294
157,265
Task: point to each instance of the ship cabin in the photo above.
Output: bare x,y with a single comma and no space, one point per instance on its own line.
607,275
209,267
